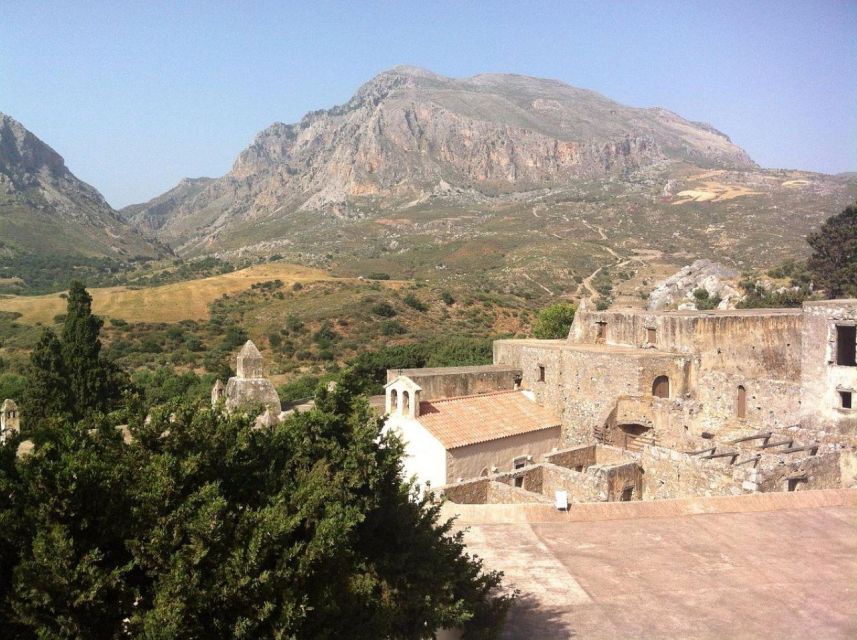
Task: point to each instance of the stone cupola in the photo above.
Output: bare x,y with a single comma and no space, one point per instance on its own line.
249,362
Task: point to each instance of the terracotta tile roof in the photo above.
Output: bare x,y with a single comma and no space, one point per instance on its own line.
457,422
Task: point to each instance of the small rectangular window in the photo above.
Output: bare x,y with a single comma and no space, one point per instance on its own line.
541,373
519,463
651,335
845,399
846,345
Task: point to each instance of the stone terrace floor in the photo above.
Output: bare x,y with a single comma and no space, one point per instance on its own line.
775,574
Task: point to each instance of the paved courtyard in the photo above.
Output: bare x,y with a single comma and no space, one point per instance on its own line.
775,574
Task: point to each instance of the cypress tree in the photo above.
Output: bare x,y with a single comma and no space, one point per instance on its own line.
47,391
90,380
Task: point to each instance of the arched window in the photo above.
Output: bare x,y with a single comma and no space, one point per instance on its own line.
484,472
394,401
741,402
661,387
406,402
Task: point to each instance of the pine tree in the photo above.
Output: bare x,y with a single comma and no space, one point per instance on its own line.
47,392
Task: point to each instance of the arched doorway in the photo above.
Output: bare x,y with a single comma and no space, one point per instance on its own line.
406,403
394,401
661,387
741,403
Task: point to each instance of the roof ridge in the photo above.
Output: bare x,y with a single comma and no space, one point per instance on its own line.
473,395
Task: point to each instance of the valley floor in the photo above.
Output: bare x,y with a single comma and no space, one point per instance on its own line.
786,573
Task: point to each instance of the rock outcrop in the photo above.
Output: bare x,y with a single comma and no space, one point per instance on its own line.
677,291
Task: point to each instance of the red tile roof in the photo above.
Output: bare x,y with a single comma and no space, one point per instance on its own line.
457,422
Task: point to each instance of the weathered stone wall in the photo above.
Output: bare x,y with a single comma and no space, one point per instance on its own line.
470,461
502,493
581,487
753,343
453,382
582,384
821,377
671,474
822,471
770,404
574,457
621,477
587,455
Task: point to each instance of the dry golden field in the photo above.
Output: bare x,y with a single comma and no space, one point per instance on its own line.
167,303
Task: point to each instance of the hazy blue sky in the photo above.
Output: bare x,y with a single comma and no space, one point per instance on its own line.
137,95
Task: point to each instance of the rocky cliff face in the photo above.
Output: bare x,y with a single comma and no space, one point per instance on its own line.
44,208
409,134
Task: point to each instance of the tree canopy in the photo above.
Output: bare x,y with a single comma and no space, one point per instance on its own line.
203,527
554,321
69,375
833,264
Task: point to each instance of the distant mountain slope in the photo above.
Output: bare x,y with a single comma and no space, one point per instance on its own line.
46,210
409,134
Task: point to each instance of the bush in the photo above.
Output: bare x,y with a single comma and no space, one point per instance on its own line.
447,298
704,301
554,322
392,328
384,309
414,303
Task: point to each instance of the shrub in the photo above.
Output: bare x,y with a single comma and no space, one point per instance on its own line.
384,309
555,321
414,303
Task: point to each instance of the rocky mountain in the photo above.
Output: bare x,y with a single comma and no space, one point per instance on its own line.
46,210
409,135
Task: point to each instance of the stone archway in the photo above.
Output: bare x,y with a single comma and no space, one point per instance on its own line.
661,387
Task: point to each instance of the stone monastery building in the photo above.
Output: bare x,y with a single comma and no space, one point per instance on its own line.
642,405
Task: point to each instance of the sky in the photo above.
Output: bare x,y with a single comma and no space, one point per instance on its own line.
137,95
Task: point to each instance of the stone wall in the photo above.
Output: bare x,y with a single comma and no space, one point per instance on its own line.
671,474
475,460
821,377
755,343
453,382
582,385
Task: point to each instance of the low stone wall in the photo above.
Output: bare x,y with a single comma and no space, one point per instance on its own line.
475,514
671,474
588,455
453,382
502,493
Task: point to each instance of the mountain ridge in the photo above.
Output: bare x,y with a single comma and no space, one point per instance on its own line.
46,209
409,133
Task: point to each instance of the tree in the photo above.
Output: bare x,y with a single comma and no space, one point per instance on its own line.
204,527
833,264
554,321
47,391
92,381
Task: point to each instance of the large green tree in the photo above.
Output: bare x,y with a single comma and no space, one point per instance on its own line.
47,391
204,527
69,375
91,379
833,264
